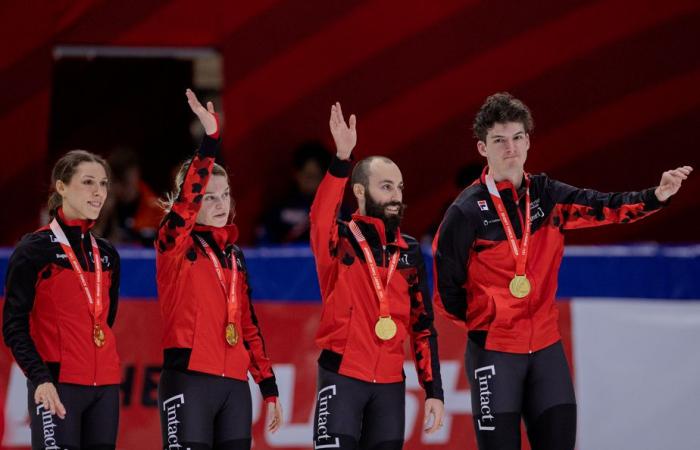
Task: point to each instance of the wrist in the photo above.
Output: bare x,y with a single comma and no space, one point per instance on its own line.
214,134
659,196
340,168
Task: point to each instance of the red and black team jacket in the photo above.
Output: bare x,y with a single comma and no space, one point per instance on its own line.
192,301
350,305
474,263
47,321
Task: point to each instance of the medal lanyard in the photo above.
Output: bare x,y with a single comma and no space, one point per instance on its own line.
95,305
374,272
519,252
231,301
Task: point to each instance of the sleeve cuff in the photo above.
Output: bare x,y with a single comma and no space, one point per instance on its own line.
268,388
209,147
651,202
41,378
431,391
340,168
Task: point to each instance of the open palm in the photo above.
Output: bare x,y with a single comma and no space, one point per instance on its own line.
207,116
344,134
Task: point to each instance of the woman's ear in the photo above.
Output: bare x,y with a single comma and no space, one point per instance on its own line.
60,188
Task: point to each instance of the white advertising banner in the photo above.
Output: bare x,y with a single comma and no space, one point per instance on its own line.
637,374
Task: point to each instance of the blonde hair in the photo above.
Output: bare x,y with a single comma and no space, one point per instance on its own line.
171,197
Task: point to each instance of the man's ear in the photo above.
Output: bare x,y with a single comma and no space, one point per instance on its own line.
481,147
358,190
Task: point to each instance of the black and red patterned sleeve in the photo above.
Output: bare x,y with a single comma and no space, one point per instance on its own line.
423,334
23,271
324,226
452,247
174,231
114,288
583,208
260,365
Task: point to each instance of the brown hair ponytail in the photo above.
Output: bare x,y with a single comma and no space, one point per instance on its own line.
64,169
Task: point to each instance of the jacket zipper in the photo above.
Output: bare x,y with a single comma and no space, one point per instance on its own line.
381,344
376,364
85,255
224,264
529,304
87,270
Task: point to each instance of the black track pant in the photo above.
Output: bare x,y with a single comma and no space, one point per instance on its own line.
200,411
508,386
354,414
91,423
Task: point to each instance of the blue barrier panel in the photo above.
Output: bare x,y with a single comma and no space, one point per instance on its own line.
288,273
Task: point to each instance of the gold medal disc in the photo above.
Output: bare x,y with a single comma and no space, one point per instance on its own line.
231,334
98,335
519,286
385,328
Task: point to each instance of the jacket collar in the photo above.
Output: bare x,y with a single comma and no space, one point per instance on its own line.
223,236
373,228
506,184
73,225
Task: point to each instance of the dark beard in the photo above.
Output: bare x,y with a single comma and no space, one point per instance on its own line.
378,210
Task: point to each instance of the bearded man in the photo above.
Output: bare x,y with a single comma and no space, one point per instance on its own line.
375,296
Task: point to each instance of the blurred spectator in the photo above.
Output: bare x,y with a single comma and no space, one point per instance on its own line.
132,213
287,221
466,175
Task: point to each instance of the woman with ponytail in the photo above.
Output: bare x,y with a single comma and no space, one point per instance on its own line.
62,288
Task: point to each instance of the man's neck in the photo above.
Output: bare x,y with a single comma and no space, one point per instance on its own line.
388,232
515,177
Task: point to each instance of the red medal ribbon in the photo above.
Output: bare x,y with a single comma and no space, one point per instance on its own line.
95,304
231,301
519,252
374,272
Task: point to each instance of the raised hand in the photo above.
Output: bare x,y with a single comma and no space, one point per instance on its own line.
207,116
47,394
344,135
671,181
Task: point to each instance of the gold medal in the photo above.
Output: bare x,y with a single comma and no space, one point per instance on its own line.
95,303
231,334
385,328
519,286
98,336
230,331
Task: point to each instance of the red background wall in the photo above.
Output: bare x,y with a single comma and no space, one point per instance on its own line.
612,84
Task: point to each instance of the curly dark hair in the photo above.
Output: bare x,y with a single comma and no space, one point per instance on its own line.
501,108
